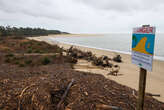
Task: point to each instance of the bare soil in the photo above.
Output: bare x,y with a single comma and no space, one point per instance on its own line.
41,86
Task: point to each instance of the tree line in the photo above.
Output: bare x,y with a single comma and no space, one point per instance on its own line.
25,32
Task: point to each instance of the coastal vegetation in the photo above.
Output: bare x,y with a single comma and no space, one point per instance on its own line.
38,76
26,31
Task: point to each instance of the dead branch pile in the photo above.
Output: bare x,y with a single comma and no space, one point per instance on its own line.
50,87
103,61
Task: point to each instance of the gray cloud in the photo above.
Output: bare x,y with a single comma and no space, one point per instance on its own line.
123,5
34,8
84,16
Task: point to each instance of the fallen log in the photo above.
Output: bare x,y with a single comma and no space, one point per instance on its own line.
21,95
106,107
65,94
154,95
117,58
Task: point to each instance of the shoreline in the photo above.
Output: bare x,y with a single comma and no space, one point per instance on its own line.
129,71
159,58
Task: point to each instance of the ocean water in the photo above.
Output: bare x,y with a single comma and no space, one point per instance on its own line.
113,42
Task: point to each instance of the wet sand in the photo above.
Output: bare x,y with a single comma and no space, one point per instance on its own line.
128,74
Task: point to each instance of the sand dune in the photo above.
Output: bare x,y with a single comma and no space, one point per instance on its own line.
129,72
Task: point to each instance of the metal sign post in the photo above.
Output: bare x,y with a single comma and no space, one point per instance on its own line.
142,55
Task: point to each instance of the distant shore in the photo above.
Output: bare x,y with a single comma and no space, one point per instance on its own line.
73,35
129,72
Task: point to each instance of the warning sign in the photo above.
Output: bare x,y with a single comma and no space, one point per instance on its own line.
143,46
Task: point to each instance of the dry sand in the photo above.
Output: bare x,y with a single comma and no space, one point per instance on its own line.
128,74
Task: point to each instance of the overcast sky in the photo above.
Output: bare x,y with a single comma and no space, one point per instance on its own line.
83,16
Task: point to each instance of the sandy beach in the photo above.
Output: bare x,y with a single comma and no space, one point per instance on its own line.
128,74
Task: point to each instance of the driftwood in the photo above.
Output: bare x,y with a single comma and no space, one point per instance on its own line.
65,94
106,107
21,95
117,58
103,61
114,70
155,95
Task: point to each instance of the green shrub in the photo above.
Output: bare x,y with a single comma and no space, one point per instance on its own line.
17,62
29,47
15,58
42,51
29,50
24,43
39,43
46,61
9,55
28,62
54,56
21,65
37,51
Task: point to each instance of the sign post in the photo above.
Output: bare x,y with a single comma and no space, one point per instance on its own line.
142,55
142,86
